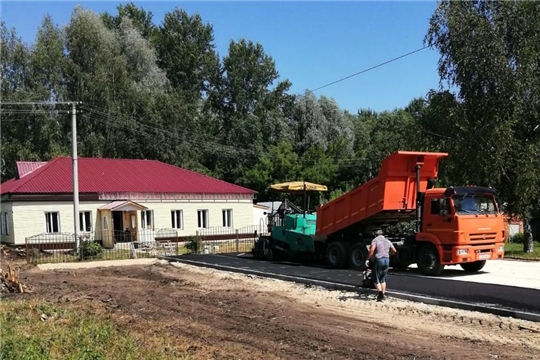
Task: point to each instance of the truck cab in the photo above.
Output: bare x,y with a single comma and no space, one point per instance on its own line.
459,225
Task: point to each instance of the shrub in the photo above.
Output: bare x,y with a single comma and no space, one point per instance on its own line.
34,255
194,244
90,249
518,238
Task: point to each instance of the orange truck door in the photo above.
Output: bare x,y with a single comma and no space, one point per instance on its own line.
436,222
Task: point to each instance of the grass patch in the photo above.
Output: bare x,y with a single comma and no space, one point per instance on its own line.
515,251
41,330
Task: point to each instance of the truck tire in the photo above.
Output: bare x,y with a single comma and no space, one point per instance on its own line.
428,261
357,257
336,255
473,266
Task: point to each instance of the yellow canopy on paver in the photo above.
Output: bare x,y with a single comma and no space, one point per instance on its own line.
293,186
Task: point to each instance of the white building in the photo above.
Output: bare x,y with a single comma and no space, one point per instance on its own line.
118,198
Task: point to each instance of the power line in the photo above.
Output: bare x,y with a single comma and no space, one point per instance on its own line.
100,116
220,147
215,146
74,156
365,70
54,103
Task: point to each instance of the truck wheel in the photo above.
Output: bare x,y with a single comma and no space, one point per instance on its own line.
428,261
358,257
474,266
336,255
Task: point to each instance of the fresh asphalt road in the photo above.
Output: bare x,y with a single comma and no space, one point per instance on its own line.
502,272
408,281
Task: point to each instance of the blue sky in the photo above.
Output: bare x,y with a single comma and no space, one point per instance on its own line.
312,42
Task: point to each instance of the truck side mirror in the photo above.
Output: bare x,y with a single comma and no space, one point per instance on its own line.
443,212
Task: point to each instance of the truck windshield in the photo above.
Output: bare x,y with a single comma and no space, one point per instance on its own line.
474,204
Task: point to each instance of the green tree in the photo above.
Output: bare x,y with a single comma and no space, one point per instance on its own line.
310,126
141,19
250,105
33,74
187,53
489,52
278,164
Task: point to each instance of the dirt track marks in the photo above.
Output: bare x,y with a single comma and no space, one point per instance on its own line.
442,322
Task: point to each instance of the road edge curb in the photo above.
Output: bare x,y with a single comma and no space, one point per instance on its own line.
340,286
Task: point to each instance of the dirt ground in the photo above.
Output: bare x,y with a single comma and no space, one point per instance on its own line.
218,315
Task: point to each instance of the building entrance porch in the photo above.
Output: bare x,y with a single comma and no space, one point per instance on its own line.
120,222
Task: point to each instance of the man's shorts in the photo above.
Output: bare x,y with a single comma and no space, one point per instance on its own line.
381,270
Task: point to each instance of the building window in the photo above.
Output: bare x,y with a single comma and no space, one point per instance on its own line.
226,214
177,219
52,222
147,219
4,223
85,221
202,217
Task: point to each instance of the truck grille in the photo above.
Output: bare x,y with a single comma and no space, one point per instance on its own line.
483,236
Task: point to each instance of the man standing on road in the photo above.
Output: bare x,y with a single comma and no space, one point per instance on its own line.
379,252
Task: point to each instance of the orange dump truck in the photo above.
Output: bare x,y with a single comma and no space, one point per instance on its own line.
455,225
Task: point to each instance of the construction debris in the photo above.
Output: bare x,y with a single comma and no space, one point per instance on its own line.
11,283
6,251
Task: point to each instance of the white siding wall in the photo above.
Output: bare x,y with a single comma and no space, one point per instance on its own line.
242,213
29,217
6,213
258,215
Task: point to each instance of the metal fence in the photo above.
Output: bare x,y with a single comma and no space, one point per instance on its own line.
145,243
226,240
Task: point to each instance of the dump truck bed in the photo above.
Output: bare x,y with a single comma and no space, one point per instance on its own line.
388,197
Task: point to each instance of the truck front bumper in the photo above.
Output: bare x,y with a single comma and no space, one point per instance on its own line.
471,253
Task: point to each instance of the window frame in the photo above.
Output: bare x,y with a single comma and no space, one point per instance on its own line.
82,217
177,217
49,214
206,218
144,219
227,217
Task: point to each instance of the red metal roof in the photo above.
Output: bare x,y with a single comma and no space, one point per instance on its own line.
26,167
98,175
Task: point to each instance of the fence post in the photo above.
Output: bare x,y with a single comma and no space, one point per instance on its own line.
237,241
177,243
79,251
27,251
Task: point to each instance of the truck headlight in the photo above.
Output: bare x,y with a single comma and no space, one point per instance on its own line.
501,248
462,251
